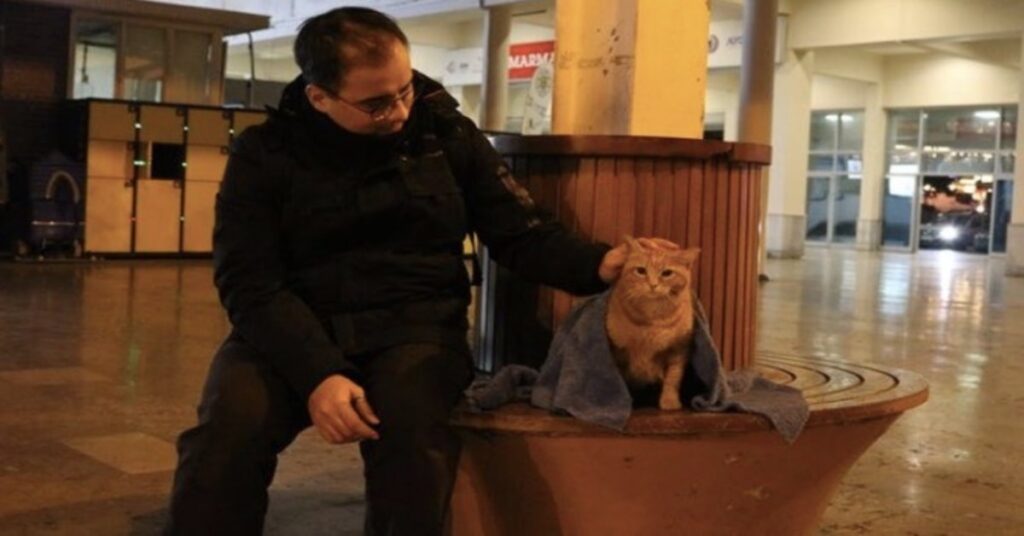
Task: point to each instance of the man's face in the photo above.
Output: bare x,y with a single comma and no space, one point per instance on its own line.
372,99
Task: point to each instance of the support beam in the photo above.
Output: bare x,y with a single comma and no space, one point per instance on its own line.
757,82
1015,233
494,94
631,68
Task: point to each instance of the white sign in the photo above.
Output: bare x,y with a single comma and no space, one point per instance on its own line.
537,108
725,43
463,67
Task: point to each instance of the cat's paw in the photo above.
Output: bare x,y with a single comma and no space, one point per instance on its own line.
670,403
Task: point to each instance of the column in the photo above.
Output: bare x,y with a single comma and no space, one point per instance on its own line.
1015,232
787,190
494,94
869,222
757,83
631,67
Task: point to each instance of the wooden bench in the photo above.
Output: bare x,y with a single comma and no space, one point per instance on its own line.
526,471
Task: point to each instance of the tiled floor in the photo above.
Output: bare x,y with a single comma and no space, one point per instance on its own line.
101,365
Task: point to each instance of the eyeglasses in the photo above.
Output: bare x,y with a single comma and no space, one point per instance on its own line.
379,108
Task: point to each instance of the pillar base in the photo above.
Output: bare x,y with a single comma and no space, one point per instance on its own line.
1015,250
869,235
786,236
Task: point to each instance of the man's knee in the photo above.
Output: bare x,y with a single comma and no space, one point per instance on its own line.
244,403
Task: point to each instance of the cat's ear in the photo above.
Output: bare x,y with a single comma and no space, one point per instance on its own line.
688,256
634,244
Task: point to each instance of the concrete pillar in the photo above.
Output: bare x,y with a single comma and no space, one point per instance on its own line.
869,222
757,74
1015,233
494,94
630,67
731,122
787,191
757,83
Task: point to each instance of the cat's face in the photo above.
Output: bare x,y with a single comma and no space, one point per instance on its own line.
657,275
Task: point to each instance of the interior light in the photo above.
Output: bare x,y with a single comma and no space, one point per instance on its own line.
987,114
949,233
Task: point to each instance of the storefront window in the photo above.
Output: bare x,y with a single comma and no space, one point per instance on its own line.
847,208
193,67
1001,214
824,127
1007,161
904,142
958,162
835,165
851,131
956,172
95,69
1008,137
898,207
947,130
145,63
818,195
820,162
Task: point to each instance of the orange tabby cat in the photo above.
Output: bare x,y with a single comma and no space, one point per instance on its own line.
650,319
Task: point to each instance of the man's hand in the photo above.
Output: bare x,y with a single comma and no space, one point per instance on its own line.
340,411
615,259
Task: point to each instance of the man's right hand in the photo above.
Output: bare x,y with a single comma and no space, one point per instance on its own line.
340,411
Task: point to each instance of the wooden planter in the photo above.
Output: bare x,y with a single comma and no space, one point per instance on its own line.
525,471
698,193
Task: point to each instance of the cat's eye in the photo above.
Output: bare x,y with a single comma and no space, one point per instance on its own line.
667,273
640,270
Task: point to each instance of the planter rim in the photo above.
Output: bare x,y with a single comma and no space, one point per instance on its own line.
881,392
631,146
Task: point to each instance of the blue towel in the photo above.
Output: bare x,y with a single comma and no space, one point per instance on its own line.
580,378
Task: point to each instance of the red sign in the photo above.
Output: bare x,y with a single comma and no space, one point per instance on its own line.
523,58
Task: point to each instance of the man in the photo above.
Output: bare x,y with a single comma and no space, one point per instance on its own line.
338,255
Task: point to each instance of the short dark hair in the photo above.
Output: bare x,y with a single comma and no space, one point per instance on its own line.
330,44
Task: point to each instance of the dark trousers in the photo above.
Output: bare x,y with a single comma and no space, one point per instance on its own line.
248,415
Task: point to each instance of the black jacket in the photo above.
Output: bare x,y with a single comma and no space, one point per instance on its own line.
328,243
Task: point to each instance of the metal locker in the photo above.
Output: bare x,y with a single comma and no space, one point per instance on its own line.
161,124
108,215
244,120
199,212
205,162
157,216
209,127
112,121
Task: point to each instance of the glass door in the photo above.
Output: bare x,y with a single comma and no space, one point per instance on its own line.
1001,205
834,177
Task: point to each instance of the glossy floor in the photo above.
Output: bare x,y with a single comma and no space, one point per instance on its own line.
101,365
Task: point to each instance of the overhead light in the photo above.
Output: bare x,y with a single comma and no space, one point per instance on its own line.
987,114
832,117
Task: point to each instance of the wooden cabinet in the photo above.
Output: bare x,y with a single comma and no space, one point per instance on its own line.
152,175
246,119
199,201
157,216
108,215
209,127
112,121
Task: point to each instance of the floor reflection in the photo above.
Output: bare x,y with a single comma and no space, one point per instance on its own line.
93,355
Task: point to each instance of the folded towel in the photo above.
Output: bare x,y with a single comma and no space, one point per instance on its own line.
580,378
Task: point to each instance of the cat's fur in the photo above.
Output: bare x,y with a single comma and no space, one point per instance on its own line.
650,320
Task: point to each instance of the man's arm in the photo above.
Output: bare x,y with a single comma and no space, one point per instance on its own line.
519,235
